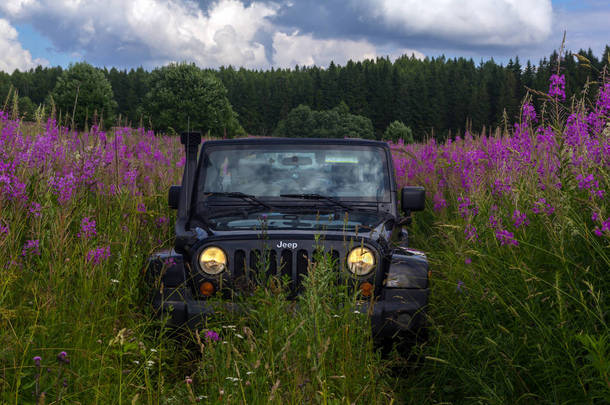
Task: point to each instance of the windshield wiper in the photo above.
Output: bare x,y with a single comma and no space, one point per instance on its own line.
314,196
237,194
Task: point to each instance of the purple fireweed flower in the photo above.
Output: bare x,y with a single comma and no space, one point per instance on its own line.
188,380
62,357
64,187
501,187
87,228
31,247
520,219
212,335
598,231
468,260
161,221
494,222
37,360
603,99
591,185
471,233
131,176
594,216
506,238
467,208
35,209
141,207
96,256
541,206
529,112
439,202
557,86
460,286
576,129
4,229
585,182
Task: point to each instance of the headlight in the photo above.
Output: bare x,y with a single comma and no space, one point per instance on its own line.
361,261
213,260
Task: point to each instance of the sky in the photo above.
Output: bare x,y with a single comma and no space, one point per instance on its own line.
265,34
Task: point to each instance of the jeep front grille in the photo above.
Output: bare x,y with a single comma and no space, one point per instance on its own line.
284,263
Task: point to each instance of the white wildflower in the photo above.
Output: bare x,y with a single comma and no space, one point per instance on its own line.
114,281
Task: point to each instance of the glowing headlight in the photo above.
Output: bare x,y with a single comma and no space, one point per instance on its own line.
213,260
361,261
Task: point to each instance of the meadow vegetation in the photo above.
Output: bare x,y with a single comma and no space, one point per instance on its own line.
517,230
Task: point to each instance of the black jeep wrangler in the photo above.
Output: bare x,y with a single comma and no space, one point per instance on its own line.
244,197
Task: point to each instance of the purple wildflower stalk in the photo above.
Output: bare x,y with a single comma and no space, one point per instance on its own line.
31,247
87,228
557,87
97,255
212,335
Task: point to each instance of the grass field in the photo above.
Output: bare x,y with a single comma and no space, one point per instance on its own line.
517,230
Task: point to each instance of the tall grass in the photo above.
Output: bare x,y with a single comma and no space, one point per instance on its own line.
520,255
516,229
81,212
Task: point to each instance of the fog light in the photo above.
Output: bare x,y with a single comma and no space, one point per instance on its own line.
206,288
366,289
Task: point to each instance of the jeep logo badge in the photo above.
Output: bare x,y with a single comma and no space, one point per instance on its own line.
285,245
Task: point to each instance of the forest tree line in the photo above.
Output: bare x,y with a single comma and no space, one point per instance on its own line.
439,95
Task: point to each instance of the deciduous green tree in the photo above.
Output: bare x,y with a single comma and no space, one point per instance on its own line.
396,131
182,96
83,92
303,122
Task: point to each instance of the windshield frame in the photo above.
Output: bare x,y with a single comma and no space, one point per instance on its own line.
201,199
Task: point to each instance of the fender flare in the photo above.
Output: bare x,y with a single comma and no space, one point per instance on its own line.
408,269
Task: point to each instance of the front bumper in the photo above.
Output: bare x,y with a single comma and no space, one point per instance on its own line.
396,312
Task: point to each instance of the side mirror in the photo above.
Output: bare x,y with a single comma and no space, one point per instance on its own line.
413,199
173,197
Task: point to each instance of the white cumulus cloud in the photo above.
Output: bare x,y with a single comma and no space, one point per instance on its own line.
150,31
471,22
305,50
13,54
155,32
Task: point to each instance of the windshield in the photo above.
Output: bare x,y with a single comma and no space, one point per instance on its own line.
346,172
